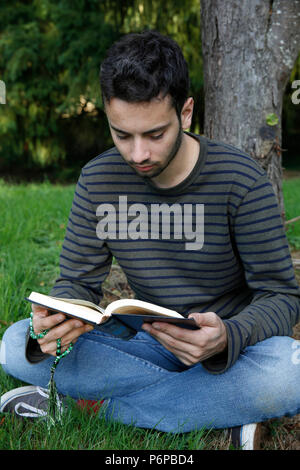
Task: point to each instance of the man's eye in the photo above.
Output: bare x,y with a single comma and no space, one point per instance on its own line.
122,137
156,137
153,137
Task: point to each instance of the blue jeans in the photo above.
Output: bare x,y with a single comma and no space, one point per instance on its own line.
147,386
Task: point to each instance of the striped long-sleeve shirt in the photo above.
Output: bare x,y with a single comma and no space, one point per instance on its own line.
241,268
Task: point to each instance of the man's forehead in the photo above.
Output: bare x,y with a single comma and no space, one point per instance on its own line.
165,100
144,118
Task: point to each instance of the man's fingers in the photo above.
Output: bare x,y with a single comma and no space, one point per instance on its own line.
173,337
39,310
205,319
192,346
188,353
62,329
69,332
50,348
47,322
182,335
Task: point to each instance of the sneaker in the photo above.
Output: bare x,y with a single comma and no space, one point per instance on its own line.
33,402
27,402
246,437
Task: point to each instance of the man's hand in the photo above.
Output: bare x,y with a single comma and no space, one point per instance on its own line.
69,330
192,346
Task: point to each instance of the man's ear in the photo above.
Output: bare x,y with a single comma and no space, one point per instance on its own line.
187,113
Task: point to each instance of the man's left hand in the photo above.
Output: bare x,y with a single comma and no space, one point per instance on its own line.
192,346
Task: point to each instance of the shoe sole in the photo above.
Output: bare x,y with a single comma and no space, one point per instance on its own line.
250,436
16,392
246,437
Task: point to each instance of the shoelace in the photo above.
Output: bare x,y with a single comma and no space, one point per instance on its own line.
32,411
35,412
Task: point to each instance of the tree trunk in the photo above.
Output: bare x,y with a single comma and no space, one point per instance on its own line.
249,49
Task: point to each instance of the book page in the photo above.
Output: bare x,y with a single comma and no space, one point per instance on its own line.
79,311
85,303
139,307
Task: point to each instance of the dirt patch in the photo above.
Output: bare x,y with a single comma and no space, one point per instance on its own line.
289,174
115,286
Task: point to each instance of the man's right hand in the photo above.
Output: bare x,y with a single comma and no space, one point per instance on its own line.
68,330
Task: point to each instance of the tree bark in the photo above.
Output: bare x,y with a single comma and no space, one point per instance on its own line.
249,49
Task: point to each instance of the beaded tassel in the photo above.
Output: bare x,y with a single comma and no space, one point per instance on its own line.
55,408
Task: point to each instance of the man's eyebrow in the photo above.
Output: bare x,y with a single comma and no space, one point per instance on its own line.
150,131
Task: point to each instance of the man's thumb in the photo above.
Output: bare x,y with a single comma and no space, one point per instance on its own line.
204,319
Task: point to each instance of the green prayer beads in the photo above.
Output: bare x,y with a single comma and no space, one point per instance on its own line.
32,333
59,356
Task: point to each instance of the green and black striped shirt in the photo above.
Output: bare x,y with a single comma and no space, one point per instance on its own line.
238,264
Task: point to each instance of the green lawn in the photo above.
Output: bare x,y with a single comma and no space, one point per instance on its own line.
31,232
291,190
33,223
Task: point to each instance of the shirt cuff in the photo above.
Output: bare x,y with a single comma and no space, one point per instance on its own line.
33,352
219,363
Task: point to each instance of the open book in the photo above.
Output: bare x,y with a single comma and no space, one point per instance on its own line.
128,313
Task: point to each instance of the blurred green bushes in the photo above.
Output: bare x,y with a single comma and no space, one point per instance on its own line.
50,52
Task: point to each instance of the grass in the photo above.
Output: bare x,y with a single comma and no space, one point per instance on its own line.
33,223
81,431
291,190
31,233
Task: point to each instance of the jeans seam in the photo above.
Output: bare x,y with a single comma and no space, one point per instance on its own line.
146,363
98,333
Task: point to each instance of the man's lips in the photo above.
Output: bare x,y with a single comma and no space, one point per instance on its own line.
144,168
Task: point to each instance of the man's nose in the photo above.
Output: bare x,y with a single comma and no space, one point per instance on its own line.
140,151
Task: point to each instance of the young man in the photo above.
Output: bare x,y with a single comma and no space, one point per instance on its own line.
218,252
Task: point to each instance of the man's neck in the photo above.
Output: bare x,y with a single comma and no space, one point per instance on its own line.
182,164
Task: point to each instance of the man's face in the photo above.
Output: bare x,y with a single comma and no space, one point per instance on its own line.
148,135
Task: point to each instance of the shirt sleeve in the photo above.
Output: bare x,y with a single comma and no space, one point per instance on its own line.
261,245
85,260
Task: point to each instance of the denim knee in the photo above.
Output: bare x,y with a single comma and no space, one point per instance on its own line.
13,346
279,387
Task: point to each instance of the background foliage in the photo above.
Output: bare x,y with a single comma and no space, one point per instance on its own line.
50,51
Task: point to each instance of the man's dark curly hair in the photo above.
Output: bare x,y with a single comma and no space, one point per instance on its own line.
141,66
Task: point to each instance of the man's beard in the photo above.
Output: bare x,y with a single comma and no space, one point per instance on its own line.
172,153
